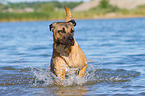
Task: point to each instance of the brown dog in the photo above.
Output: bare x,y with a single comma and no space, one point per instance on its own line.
67,55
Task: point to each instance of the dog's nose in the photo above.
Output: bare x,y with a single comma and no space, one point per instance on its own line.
70,38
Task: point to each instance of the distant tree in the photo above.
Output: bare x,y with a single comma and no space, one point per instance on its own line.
1,6
47,8
105,7
104,4
3,1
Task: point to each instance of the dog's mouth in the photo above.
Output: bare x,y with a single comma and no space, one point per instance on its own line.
70,43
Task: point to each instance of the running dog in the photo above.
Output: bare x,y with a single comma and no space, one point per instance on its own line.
67,55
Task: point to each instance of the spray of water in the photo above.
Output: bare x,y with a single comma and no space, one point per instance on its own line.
43,77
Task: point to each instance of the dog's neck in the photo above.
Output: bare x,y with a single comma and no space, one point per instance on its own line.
62,50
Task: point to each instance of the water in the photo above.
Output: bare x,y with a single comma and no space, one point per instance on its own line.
115,49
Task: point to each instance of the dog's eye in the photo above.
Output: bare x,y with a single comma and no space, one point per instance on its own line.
61,31
72,31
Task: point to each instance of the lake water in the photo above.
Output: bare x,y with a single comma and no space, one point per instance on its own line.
115,49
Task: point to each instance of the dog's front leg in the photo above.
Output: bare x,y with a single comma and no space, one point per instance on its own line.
58,67
82,71
60,73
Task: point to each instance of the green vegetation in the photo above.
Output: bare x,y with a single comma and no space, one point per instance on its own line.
47,8
104,4
140,10
104,7
55,11
37,11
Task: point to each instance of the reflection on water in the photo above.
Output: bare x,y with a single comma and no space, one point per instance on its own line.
77,90
114,49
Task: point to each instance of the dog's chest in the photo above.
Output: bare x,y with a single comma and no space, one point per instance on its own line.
74,61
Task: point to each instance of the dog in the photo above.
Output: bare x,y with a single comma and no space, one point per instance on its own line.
67,55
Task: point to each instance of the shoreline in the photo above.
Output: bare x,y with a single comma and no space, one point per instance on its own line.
95,18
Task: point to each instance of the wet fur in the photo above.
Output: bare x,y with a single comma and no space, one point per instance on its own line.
67,55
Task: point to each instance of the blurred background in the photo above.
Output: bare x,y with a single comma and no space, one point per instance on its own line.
31,10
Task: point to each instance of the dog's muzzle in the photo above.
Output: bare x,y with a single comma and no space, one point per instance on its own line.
70,40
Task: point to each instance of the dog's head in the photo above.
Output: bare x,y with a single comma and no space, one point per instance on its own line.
63,32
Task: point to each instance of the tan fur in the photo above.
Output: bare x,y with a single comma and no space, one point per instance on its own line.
66,58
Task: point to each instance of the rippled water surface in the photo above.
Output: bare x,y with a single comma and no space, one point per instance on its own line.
115,49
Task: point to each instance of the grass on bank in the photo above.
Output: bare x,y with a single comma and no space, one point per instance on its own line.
48,12
31,16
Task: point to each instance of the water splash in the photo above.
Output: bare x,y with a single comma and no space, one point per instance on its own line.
46,78
93,75
42,77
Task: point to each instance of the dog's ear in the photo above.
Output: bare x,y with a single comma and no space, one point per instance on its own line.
73,22
51,26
